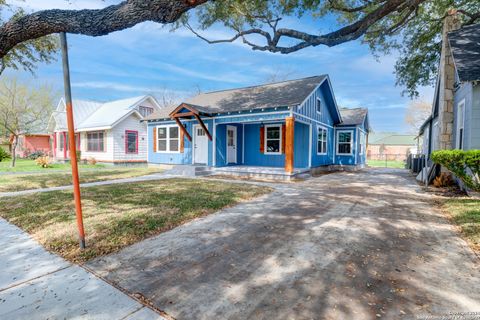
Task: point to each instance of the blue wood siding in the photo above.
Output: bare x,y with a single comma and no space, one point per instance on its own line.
300,145
471,130
267,116
253,156
308,108
321,159
221,144
347,159
177,158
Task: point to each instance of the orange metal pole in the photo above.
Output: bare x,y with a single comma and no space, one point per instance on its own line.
71,140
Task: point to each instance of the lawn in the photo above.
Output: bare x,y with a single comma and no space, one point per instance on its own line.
17,182
465,212
116,216
27,165
388,164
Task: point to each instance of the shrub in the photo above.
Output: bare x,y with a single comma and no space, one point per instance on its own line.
92,161
464,164
79,155
44,161
4,154
35,155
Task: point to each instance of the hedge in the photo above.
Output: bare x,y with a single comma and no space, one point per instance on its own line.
464,164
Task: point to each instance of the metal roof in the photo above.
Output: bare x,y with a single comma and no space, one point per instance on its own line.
392,139
465,46
92,114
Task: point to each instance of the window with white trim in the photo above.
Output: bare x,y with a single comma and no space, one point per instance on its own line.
168,139
322,140
318,106
344,142
460,123
273,139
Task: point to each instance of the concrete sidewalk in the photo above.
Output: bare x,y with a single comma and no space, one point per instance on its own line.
35,284
155,176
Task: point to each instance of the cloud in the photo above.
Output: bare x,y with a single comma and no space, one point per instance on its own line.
126,87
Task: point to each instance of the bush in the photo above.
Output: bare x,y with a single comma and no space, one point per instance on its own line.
4,154
35,155
79,155
92,161
464,164
44,162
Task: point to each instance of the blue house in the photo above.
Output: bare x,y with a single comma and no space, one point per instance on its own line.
287,127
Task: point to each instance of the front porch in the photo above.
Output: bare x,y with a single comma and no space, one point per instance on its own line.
259,172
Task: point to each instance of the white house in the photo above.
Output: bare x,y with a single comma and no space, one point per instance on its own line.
108,132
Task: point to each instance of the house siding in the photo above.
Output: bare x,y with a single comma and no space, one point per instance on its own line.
132,123
308,107
474,123
102,156
347,159
185,157
463,93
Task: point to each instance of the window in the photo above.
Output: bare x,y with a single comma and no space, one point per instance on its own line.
318,106
362,143
273,139
460,123
344,142
95,141
168,139
131,141
322,141
145,111
60,141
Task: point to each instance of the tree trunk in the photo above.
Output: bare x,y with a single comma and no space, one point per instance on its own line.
14,149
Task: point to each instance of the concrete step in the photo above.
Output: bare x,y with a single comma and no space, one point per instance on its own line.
189,170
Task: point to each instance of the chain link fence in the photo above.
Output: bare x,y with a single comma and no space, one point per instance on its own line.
387,160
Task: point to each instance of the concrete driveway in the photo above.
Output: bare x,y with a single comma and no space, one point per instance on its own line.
361,245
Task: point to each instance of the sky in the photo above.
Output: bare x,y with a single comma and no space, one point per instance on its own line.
149,59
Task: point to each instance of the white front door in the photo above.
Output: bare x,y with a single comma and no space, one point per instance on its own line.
200,145
231,144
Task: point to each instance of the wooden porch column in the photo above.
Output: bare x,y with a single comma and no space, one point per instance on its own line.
64,145
289,138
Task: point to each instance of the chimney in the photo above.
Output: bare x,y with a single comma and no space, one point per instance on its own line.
447,83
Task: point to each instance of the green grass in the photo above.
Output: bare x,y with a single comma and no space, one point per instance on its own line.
116,216
388,164
27,165
465,212
18,182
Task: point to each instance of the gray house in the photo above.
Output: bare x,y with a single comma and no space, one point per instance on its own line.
455,119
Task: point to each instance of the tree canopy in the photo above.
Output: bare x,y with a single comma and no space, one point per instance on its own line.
410,29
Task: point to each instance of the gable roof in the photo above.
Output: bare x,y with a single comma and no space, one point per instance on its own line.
81,110
465,46
281,94
392,139
353,117
90,115
288,93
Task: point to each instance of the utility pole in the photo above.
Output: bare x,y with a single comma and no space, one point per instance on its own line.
71,140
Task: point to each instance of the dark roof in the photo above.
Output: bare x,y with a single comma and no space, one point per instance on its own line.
280,94
353,117
465,45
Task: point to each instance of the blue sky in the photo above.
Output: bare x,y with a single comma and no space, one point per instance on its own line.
150,59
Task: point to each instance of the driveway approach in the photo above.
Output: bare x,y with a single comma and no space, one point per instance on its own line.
361,245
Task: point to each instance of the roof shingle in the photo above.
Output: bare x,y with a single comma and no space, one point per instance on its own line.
465,45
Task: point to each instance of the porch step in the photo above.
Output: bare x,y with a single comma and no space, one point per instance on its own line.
189,170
